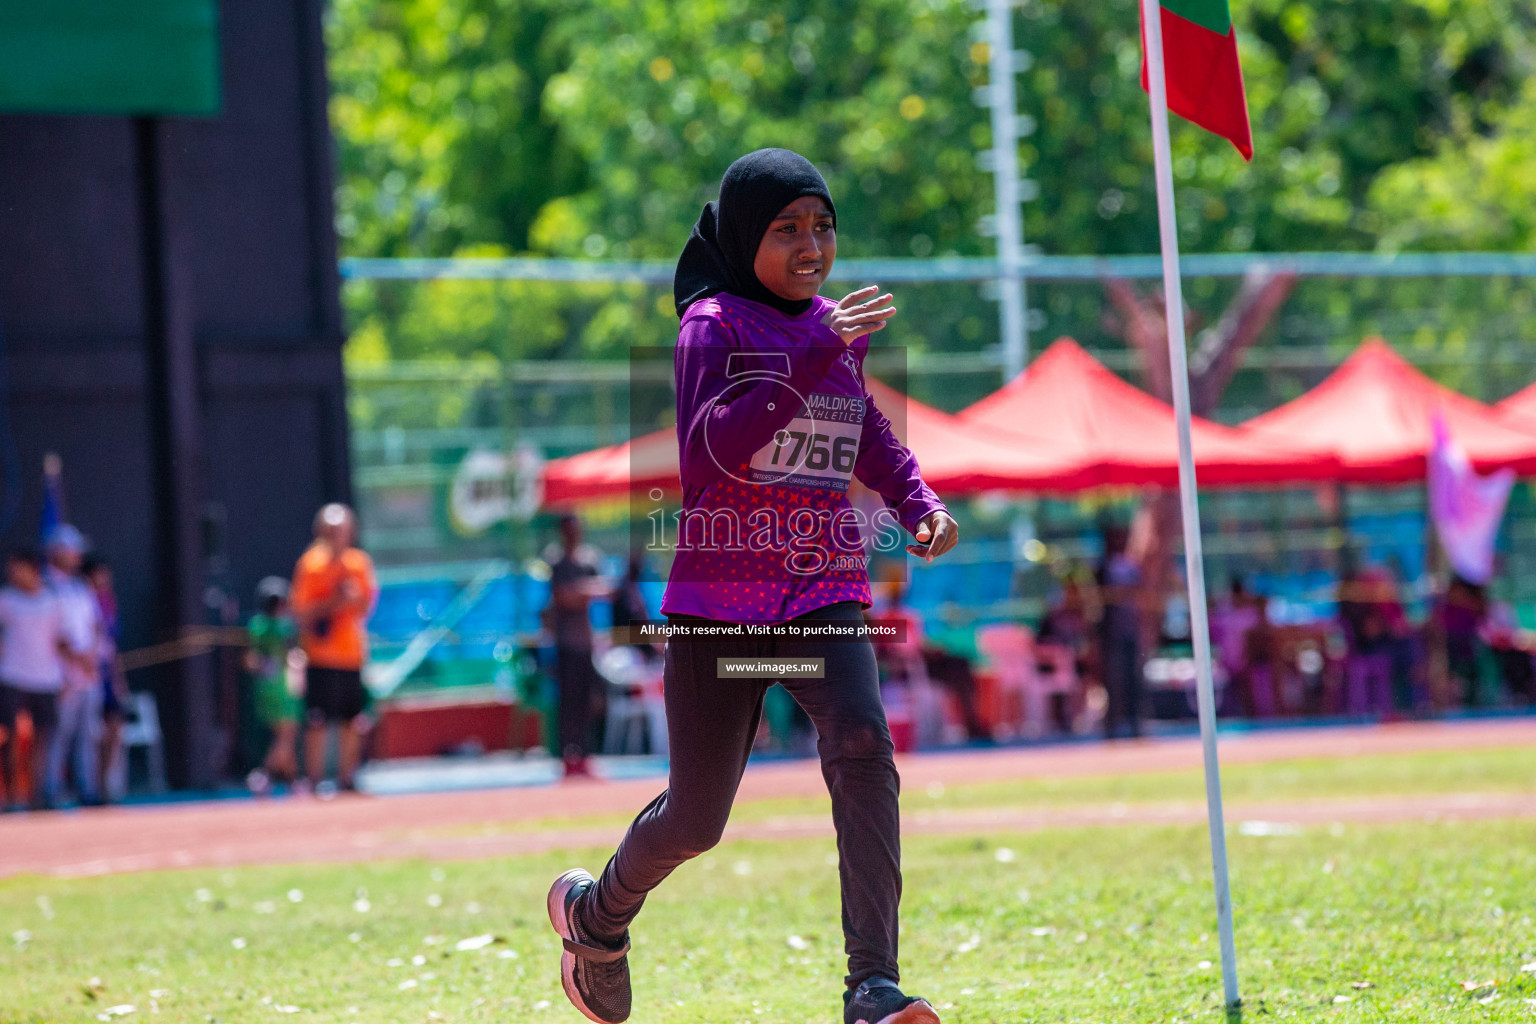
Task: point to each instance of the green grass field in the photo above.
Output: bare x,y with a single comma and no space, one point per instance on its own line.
1410,922
1473,771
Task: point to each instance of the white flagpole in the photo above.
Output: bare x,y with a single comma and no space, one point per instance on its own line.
1194,557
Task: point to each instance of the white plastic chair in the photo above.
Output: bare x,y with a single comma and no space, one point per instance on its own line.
924,702
928,713
1056,670
141,729
635,705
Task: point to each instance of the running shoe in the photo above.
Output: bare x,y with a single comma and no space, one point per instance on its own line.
879,1001
595,975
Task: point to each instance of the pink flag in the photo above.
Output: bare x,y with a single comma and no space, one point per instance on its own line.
1466,508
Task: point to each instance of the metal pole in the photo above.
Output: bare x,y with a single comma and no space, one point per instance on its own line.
1008,219
972,268
1194,559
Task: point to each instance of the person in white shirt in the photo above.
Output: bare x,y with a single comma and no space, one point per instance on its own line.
78,737
32,647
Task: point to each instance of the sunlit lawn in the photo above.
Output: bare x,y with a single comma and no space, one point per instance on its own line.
1438,772
1352,923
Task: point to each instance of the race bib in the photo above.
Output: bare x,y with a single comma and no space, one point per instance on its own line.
817,448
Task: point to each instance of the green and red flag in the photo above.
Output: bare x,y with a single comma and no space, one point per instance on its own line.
1205,80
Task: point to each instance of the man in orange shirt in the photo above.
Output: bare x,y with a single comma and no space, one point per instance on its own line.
332,595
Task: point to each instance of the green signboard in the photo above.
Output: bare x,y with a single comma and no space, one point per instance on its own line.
109,56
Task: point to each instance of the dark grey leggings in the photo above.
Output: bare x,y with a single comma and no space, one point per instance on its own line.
711,725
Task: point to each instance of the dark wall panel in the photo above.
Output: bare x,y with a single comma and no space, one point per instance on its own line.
69,262
241,180
170,325
276,436
105,447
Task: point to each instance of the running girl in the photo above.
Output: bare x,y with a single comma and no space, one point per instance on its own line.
773,418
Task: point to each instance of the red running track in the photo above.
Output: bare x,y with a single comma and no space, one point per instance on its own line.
485,823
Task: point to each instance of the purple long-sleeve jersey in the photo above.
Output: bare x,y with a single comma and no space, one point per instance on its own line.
773,419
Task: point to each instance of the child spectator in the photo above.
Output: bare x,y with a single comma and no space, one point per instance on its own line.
32,649
266,660
97,573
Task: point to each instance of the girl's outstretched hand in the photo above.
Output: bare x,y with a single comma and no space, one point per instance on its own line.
936,534
860,313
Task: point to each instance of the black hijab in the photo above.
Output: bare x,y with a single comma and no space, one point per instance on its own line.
723,246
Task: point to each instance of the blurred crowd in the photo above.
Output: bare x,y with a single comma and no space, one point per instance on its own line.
1372,658
62,692
1107,654
64,698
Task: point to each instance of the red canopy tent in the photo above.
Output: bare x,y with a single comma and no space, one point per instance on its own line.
615,470
1519,409
1070,404
955,459
1374,414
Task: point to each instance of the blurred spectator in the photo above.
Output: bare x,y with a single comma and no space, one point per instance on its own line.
1261,657
1231,620
78,736
1119,635
574,581
1366,613
33,643
272,635
1066,615
1460,614
1062,650
1512,649
919,658
333,593
914,709
1405,642
1386,666
898,662
628,602
97,574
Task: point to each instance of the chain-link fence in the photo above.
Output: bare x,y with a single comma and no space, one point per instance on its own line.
523,372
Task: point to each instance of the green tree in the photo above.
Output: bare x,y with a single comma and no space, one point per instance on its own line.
597,128
437,108
1473,193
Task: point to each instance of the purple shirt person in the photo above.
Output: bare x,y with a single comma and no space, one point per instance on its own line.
773,420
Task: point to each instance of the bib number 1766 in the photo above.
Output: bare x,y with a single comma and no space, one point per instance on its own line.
824,450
